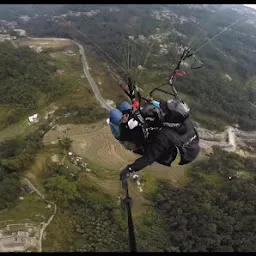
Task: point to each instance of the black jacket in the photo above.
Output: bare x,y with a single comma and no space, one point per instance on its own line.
162,145
135,135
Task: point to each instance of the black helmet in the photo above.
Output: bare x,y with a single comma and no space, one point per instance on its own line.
175,110
151,114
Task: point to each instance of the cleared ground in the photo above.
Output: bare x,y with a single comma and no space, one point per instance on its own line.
96,144
31,209
44,43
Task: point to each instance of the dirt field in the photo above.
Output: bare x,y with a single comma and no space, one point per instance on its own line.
45,43
96,143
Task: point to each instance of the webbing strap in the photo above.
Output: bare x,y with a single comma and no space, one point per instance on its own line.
171,125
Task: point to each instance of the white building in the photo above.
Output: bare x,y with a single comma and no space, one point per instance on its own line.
21,32
33,119
4,37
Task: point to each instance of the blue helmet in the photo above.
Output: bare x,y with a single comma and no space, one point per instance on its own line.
125,107
115,130
115,116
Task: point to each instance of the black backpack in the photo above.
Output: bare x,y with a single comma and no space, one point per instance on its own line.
187,142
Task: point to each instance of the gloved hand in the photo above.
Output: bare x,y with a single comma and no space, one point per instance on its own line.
125,173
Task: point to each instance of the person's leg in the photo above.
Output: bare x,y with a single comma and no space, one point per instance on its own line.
167,162
138,150
129,145
168,158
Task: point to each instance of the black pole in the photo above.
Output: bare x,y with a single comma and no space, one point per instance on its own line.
132,240
131,234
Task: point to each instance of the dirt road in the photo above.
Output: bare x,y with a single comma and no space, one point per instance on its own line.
49,220
93,84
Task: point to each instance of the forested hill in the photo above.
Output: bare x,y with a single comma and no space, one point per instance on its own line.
212,213
224,88
25,77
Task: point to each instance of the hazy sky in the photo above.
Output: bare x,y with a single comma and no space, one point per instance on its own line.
251,5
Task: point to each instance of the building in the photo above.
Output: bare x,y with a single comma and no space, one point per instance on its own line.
33,119
4,37
25,17
59,72
36,49
20,32
141,37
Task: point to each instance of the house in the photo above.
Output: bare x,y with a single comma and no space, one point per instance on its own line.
141,37
33,119
69,52
25,17
36,49
23,233
5,37
20,32
60,72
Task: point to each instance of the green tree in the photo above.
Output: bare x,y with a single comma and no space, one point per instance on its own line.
9,191
61,190
65,143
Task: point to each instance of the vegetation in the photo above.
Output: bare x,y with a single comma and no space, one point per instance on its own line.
211,213
15,157
81,114
93,223
228,101
25,78
65,143
9,190
31,209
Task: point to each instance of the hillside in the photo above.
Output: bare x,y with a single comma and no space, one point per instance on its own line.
224,88
27,80
30,84
71,161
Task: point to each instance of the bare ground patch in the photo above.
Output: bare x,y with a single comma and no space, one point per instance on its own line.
45,43
96,143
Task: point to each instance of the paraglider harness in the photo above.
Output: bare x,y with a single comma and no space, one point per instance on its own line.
133,92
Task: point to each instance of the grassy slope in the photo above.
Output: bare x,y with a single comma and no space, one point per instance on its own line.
33,208
30,210
77,92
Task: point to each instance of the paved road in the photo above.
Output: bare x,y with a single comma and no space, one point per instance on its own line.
93,84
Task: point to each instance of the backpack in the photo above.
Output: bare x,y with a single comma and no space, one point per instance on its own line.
175,111
187,142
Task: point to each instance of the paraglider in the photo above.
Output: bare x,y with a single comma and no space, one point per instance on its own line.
172,129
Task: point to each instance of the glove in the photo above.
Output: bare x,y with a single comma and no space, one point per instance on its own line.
125,173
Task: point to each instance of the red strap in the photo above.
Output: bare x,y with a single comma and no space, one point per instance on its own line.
179,74
136,105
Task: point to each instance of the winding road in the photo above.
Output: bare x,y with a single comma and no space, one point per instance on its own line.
93,84
49,220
